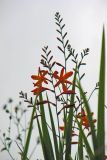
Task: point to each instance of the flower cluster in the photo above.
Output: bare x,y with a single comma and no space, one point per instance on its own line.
84,118
40,78
60,78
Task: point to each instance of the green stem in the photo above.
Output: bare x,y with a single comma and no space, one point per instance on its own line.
24,155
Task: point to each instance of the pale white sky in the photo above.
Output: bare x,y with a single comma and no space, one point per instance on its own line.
27,25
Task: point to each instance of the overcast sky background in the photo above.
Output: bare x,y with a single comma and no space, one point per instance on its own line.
27,25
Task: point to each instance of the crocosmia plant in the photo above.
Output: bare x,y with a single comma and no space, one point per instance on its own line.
67,126
61,107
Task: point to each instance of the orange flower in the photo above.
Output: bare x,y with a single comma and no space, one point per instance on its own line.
38,90
62,79
84,118
40,77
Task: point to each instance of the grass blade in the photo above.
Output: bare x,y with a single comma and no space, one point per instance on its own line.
80,147
90,119
42,140
69,124
53,132
101,101
24,155
88,148
46,135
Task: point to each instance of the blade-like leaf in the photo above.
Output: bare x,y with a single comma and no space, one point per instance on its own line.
87,145
42,140
101,101
90,119
69,124
53,131
26,147
80,146
46,135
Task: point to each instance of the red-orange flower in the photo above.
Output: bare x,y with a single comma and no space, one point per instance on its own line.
40,77
38,90
62,79
84,118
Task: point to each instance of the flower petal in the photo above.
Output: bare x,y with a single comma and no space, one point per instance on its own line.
69,92
64,87
57,84
62,72
67,75
35,77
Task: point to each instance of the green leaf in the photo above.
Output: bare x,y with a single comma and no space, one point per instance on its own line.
46,135
42,140
101,101
87,145
53,132
80,147
69,124
26,147
90,119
